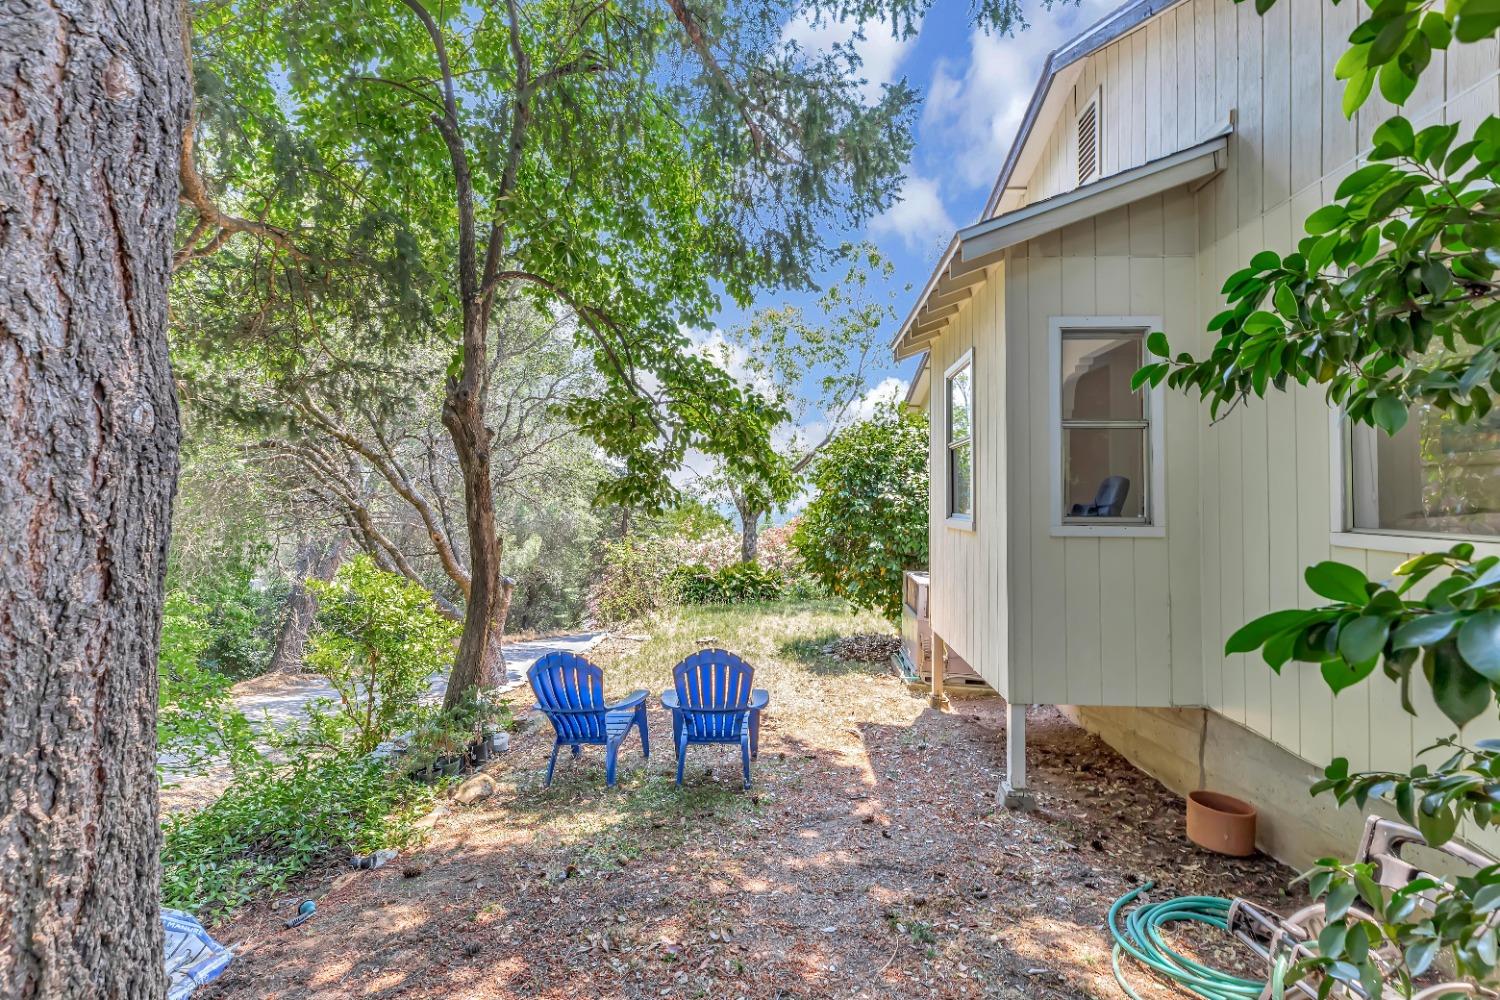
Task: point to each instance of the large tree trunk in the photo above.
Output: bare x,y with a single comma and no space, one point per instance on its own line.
480,658
93,102
318,559
750,515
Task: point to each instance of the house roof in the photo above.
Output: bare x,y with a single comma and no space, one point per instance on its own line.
979,247
1090,40
957,277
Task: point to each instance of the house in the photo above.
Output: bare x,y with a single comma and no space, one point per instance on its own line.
1092,546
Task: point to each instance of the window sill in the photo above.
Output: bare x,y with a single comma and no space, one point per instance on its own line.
1108,531
960,523
1380,541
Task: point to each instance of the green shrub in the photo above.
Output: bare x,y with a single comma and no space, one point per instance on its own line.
378,640
633,580
868,522
196,721
734,584
275,823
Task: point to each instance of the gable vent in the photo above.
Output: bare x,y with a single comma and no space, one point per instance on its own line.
1090,157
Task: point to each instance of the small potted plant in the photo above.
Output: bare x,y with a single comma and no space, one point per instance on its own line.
450,746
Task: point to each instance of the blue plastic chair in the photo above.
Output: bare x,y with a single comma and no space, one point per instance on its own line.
570,693
713,702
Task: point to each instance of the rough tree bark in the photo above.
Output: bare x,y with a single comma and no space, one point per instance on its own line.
93,100
750,514
319,559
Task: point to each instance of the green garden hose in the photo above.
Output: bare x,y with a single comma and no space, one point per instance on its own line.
1139,936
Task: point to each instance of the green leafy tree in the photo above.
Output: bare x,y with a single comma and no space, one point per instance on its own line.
1388,302
815,364
868,523
626,163
378,641
197,723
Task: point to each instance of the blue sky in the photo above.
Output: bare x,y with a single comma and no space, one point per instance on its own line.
975,88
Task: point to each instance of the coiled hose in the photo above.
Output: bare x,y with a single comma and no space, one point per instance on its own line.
1139,936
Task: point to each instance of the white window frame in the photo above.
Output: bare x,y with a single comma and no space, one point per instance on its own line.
963,522
1342,531
1155,501
1095,101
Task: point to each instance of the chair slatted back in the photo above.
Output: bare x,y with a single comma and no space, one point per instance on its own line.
713,688
570,690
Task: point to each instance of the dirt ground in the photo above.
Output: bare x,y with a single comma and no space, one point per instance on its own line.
870,859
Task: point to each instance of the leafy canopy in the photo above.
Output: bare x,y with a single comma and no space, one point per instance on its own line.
634,163
868,523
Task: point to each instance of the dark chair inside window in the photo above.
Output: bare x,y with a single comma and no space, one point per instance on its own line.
1109,501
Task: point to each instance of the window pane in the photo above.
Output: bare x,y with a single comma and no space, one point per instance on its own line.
1096,373
1436,475
958,404
1103,472
961,480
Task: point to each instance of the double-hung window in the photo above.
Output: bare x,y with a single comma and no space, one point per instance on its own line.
1106,436
1436,476
958,399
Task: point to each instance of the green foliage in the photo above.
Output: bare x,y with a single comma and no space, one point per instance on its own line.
633,581
1390,300
1465,785
378,640
276,822
1452,633
868,523
196,721
739,583
1409,928
631,164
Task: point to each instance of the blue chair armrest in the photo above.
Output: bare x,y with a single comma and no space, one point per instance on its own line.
759,699
669,700
632,700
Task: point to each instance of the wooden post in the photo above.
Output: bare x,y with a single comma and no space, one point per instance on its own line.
1013,790
939,664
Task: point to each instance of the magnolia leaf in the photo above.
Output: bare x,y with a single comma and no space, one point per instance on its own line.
1253,634
1337,581
1389,414
1363,639
1424,630
1479,642
1460,693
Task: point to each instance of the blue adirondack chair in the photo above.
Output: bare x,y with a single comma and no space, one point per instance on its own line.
713,702
570,693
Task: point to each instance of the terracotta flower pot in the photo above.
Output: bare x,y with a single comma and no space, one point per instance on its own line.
1221,823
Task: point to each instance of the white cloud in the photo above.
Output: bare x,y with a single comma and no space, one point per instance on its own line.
891,389
919,217
880,52
973,111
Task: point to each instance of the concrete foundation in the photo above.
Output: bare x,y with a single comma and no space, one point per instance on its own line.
1189,748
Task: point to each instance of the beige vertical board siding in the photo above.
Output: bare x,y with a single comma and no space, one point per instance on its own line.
952,549
1164,44
1150,620
1020,428
1276,105
1155,96
1205,16
1184,415
1210,281
1049,680
1338,131
1285,570
1308,78
1143,109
